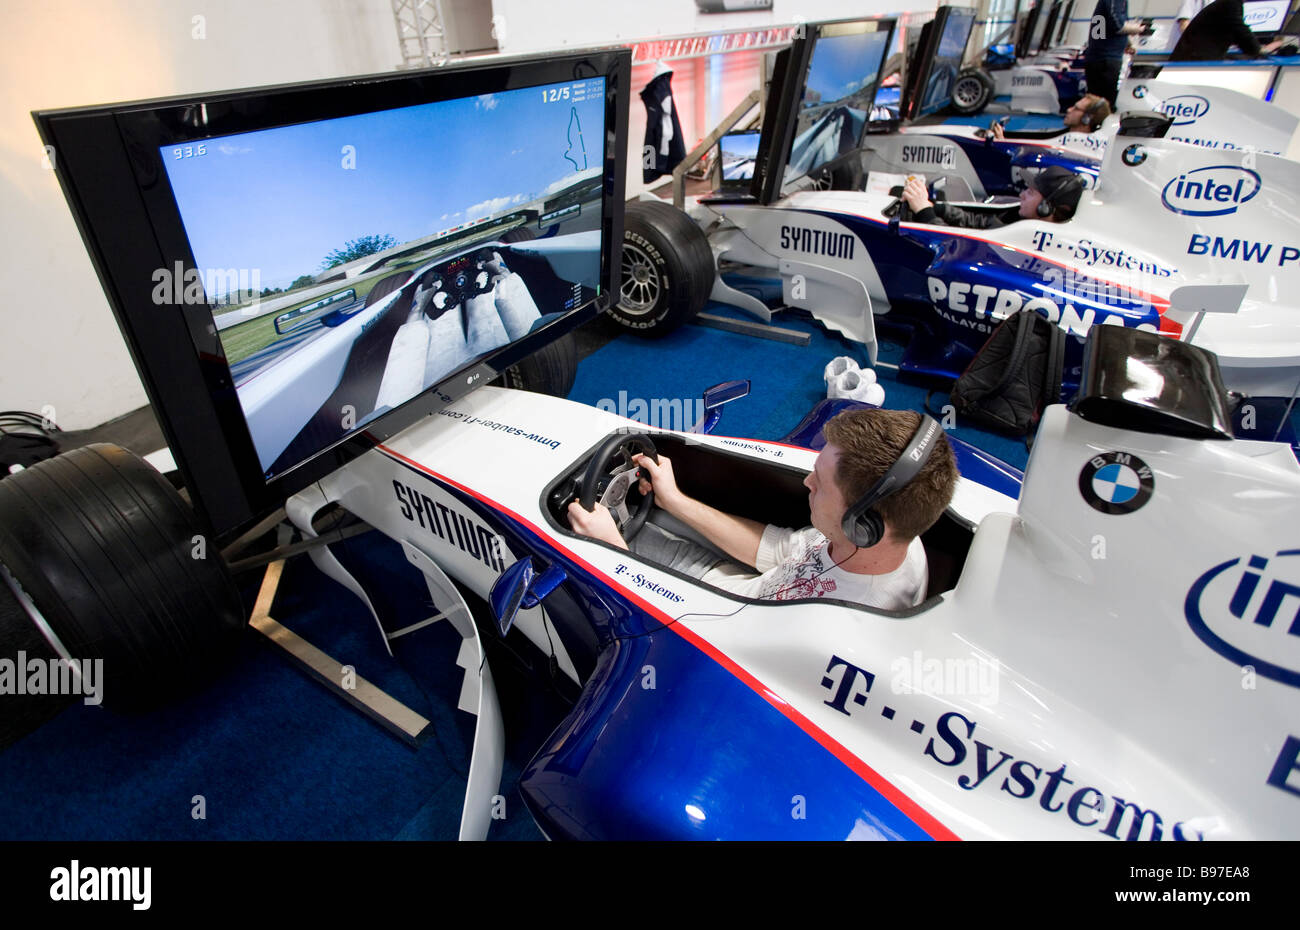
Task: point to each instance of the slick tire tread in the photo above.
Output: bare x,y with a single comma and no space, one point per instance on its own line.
518,234
103,546
386,287
552,369
23,713
682,259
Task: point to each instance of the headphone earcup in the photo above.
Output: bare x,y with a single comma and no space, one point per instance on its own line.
1044,208
865,531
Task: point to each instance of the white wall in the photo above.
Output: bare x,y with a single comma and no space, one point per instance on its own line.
59,343
531,25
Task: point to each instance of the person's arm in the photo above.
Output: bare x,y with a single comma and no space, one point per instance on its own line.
1234,17
595,524
737,536
918,199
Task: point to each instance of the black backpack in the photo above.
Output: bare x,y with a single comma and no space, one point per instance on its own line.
1014,376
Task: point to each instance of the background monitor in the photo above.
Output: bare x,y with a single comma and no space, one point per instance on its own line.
737,154
820,108
1063,26
1266,16
936,61
1044,37
301,272
1028,25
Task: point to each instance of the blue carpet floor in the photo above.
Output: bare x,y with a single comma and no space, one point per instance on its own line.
786,380
271,753
1018,122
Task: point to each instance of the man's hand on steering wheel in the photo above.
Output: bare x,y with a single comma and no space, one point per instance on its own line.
915,195
595,524
660,479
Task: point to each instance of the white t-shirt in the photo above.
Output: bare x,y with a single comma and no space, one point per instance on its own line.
1190,8
797,564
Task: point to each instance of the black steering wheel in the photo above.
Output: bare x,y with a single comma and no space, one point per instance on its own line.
612,479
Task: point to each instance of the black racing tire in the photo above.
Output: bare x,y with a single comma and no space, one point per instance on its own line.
972,91
110,555
386,287
20,714
518,234
550,370
667,269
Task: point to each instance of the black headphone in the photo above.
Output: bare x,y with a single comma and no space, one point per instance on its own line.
861,523
1065,188
1095,110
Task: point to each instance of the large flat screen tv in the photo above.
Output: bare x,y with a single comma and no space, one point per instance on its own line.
303,271
1044,38
1028,28
936,61
823,91
1067,13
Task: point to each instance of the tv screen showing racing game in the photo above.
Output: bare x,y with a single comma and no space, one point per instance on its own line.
946,61
839,90
392,248
301,272
737,152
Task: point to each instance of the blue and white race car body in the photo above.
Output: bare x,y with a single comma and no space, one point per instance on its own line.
1070,676
1209,117
1164,215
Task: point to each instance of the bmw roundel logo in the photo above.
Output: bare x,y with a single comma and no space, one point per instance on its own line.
1116,482
1134,155
1140,91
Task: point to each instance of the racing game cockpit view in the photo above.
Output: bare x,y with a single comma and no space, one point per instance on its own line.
378,277
838,94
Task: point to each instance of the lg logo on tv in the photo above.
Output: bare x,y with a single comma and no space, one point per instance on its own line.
1185,108
1214,191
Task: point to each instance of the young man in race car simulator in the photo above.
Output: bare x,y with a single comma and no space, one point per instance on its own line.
1052,195
883,478
1085,115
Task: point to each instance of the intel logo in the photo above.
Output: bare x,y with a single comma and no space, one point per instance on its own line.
1258,17
1214,191
1245,609
1185,108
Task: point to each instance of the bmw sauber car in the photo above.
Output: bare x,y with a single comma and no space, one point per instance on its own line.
1051,685
1163,215
415,325
1209,117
